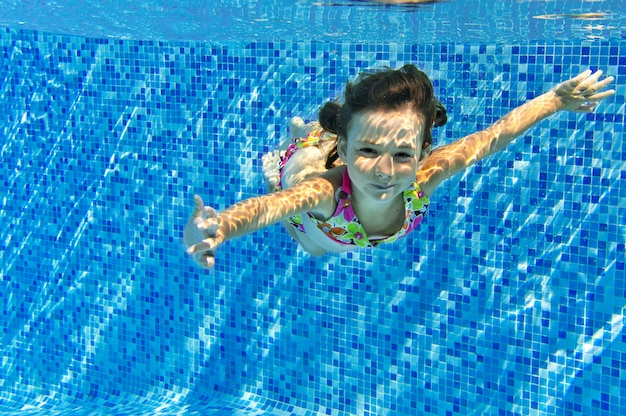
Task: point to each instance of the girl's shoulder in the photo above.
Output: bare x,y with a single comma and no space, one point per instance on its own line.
327,207
334,176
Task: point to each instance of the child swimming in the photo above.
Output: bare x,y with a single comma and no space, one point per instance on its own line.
362,176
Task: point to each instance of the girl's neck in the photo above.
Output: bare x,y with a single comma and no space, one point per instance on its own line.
382,219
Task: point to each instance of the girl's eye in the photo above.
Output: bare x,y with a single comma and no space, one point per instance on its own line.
403,156
368,151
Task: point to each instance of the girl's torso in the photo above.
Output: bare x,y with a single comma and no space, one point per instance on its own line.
343,231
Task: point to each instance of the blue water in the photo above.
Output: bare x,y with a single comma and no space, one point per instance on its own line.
509,300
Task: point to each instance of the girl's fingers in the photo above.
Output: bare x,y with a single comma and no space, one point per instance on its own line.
601,84
209,212
210,225
198,206
594,77
205,246
205,260
583,75
601,95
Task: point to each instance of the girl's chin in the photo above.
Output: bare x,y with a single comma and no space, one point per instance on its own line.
382,192
383,196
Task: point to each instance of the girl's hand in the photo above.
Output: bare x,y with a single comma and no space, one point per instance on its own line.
200,234
582,93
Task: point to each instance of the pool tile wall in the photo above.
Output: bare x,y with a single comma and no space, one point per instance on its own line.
510,299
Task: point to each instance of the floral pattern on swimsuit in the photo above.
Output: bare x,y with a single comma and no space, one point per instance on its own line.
345,228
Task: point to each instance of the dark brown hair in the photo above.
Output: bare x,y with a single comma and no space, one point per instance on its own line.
387,90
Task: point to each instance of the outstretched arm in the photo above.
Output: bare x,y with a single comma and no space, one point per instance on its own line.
207,229
580,94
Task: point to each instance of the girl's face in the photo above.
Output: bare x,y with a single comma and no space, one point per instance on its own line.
382,152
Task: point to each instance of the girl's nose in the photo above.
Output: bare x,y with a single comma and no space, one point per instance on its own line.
384,167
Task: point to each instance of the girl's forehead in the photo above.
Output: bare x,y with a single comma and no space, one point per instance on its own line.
381,126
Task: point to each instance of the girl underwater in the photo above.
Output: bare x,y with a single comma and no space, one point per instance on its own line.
362,176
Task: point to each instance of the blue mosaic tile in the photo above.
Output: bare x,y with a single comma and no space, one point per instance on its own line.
509,300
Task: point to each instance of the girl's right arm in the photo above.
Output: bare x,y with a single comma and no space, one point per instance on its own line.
206,229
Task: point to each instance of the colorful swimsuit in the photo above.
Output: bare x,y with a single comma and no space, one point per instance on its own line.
314,138
343,226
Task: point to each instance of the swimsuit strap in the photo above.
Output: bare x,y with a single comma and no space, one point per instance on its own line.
343,198
346,183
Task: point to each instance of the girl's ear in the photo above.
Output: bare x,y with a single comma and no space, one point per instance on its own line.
342,147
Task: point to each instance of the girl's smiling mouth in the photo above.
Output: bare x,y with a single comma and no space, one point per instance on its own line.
382,187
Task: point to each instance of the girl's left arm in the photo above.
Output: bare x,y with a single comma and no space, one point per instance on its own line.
579,94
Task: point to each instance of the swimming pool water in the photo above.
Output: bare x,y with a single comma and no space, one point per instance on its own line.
353,21
509,300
